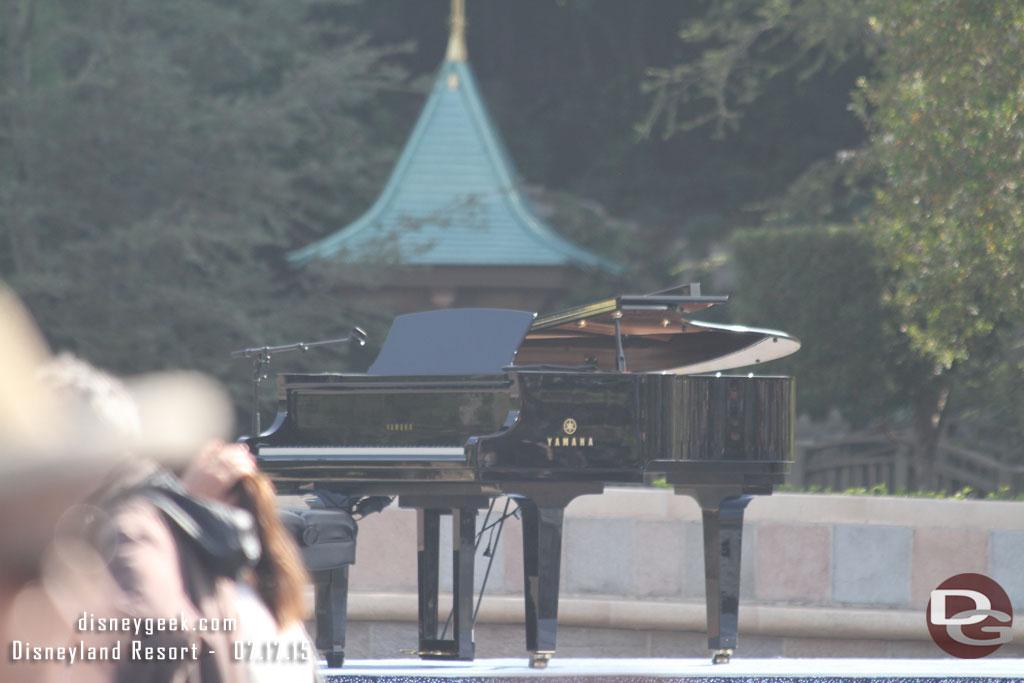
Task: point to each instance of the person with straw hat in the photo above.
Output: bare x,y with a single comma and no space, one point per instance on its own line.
97,533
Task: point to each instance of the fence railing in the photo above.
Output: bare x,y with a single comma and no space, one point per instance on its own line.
867,460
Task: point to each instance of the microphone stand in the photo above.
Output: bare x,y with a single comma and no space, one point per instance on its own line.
261,359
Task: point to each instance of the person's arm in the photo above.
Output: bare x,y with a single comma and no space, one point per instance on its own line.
218,468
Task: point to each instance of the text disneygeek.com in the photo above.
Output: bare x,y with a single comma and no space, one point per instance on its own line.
150,626
135,649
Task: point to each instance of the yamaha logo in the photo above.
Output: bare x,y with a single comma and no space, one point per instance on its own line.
569,427
573,441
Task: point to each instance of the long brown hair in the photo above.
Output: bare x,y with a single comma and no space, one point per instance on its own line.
280,575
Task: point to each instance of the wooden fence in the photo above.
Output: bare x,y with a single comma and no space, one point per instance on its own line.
867,460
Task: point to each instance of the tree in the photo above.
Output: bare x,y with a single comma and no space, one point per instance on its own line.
823,285
743,46
160,156
942,100
945,114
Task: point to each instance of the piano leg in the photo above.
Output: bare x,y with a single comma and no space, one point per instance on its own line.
723,536
542,557
461,645
463,557
331,608
542,507
427,574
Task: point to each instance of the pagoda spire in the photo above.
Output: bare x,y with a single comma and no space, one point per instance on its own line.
453,199
456,51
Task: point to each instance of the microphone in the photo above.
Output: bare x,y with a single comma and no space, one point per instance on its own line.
261,358
359,335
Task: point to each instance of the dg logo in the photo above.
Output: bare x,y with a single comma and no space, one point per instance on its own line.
970,616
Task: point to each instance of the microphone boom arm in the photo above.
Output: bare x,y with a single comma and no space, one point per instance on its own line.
261,359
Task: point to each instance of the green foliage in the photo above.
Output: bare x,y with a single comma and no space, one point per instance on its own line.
835,190
1004,493
161,158
966,493
822,285
948,131
742,46
943,96
937,188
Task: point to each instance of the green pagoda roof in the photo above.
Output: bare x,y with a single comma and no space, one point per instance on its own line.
453,197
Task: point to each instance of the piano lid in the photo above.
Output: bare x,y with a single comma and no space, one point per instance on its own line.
455,341
657,336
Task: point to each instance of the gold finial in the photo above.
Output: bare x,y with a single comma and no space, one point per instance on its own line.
457,33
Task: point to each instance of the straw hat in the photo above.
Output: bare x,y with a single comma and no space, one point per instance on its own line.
66,427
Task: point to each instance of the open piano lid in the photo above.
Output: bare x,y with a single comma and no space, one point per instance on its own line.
656,337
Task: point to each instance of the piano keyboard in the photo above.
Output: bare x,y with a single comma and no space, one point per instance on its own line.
377,453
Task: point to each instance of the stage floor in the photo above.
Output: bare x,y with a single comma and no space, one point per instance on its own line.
690,670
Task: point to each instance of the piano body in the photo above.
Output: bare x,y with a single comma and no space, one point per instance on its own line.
463,405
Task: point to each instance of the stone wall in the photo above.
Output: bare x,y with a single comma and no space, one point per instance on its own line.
822,575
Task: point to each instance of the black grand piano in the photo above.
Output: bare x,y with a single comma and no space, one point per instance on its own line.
463,405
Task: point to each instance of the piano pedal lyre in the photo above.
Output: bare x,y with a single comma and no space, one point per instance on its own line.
539,660
721,656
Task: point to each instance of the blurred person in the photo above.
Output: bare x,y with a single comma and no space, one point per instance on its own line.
79,453
270,641
284,651
43,474
172,556
279,576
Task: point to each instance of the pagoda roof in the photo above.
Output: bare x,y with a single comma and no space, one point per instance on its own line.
453,198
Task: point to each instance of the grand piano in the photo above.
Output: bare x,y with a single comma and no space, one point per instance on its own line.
463,405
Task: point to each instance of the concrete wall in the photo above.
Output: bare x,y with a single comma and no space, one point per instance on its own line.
822,575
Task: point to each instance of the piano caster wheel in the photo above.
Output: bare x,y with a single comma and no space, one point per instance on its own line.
335,660
539,660
721,656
